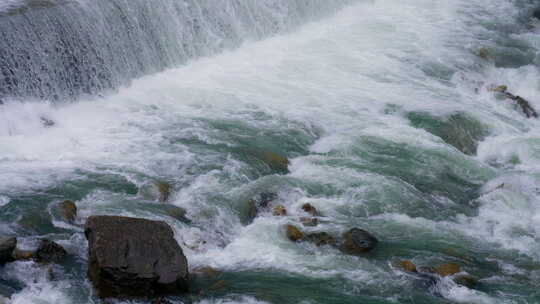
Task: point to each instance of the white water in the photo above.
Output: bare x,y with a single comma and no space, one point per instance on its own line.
336,78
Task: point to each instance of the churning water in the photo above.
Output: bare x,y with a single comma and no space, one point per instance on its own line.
381,106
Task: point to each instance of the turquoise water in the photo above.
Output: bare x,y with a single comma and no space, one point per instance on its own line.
381,107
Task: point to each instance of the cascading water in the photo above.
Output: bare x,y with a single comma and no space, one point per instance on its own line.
382,107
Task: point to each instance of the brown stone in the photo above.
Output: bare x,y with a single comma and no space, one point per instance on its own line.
310,209
294,234
406,265
466,280
23,254
447,269
321,239
358,241
164,189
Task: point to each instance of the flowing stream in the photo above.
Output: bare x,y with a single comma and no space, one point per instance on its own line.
382,107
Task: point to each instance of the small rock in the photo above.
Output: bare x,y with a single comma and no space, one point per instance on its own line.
310,209
294,234
47,123
279,210
447,269
466,280
498,89
309,221
49,251
358,241
19,255
68,209
7,245
321,239
484,53
259,203
164,189
406,265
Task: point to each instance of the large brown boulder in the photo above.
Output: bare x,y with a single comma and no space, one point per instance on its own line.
134,257
7,245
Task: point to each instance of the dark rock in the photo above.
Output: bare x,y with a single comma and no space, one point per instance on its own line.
310,209
321,239
259,203
484,53
46,122
164,189
525,106
7,245
279,210
68,210
49,251
447,269
466,280
358,241
536,14
294,234
134,257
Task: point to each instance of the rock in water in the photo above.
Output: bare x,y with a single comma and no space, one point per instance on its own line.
164,189
134,257
7,245
68,209
310,209
358,241
279,210
294,234
49,251
447,269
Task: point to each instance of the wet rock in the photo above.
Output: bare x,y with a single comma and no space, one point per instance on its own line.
406,265
47,123
293,233
309,221
134,257
310,209
259,203
447,269
7,245
68,210
466,280
164,189
321,239
358,241
484,53
279,210
525,106
458,130
49,251
275,161
21,255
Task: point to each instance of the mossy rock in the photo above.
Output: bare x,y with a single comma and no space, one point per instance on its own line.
405,265
458,130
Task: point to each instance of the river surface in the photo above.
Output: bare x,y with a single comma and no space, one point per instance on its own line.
382,107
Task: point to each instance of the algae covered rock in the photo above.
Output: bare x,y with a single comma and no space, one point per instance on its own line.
447,269
68,210
406,265
458,129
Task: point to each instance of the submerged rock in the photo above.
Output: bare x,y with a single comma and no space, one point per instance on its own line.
406,265
275,161
458,130
309,221
134,257
358,241
49,251
293,233
7,246
259,203
68,210
466,280
447,269
321,239
164,190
